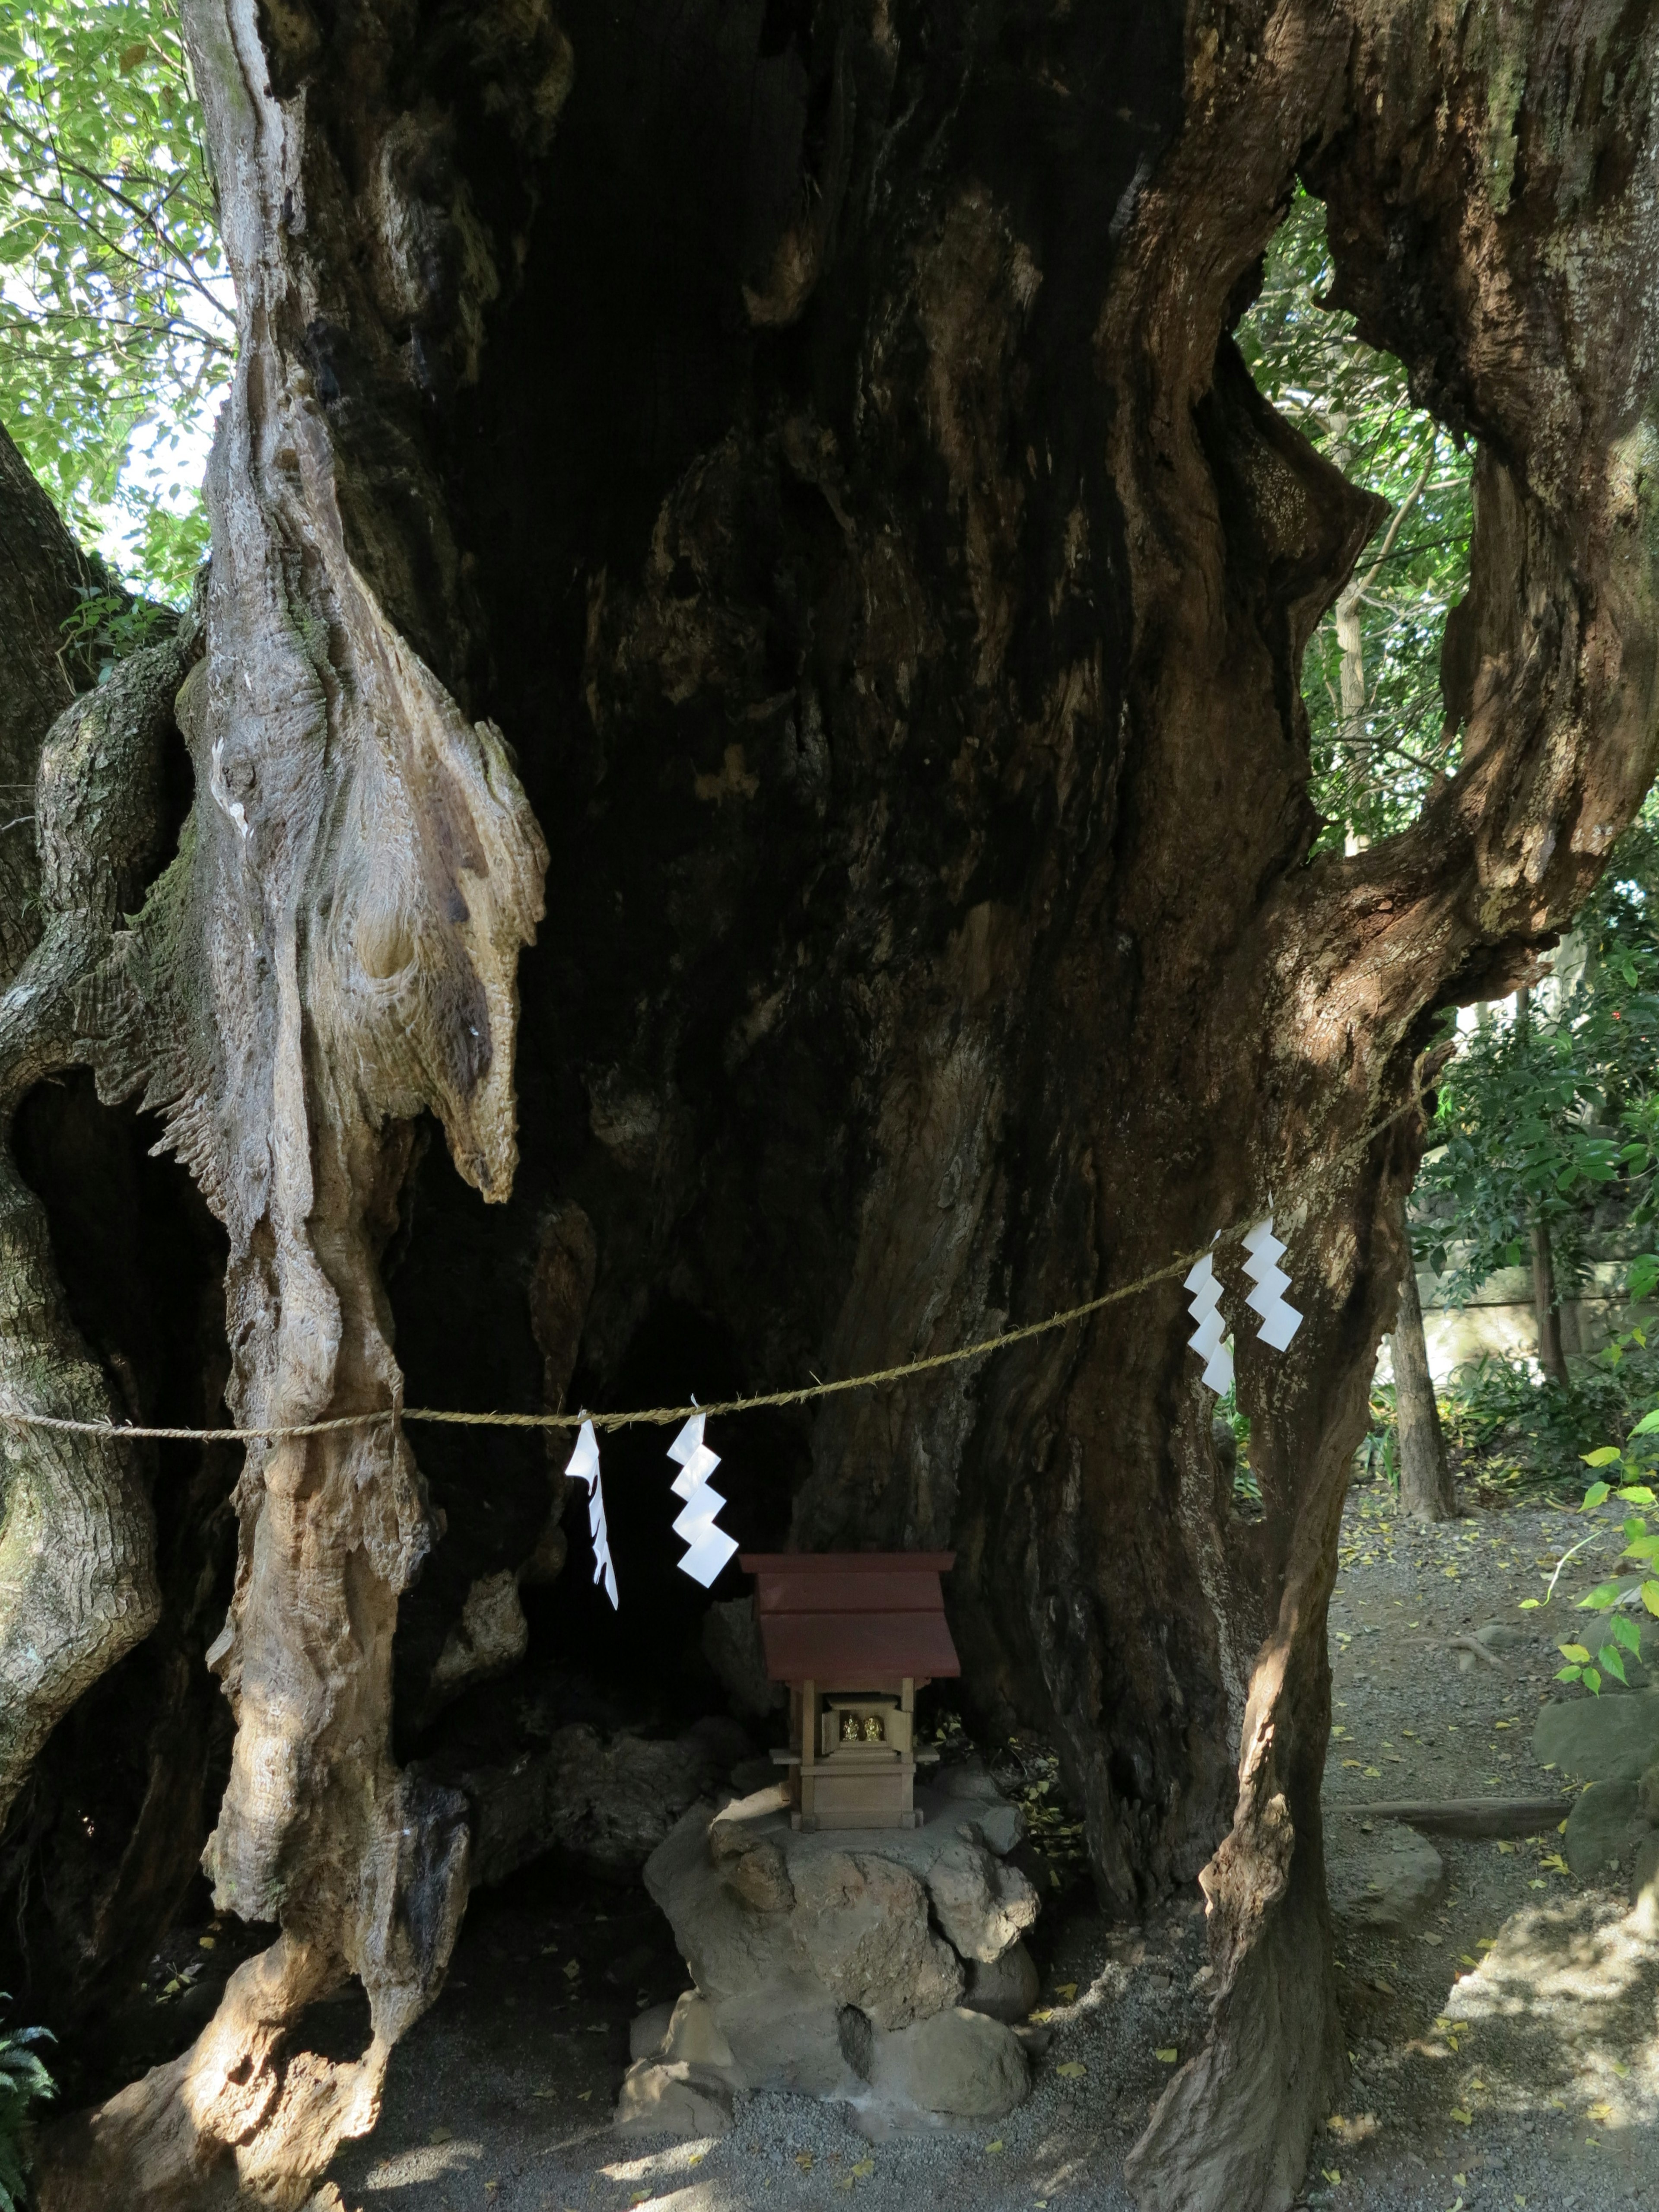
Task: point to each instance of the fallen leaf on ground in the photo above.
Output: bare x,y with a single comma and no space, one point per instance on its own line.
804,2160
1065,1990
441,2136
1073,2069
1167,2056
865,2167
992,2147
1462,2115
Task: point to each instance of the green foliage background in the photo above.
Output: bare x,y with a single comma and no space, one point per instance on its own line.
1370,773
117,329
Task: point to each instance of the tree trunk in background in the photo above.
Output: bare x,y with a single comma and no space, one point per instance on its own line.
812,436
1546,1311
1426,1491
1551,1357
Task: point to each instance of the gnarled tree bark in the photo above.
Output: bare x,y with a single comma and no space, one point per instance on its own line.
813,434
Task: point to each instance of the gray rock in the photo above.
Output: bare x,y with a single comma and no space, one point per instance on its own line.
958,2062
964,1791
1392,1882
1647,1797
861,1923
1599,1739
695,2036
1604,1829
647,2032
1006,1988
659,2098
815,1954
732,1645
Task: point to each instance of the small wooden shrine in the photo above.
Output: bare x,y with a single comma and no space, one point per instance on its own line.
854,1635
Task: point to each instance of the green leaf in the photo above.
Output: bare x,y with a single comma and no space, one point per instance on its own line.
1601,1598
1592,1681
1628,1634
1568,1673
1650,1597
1604,1455
1648,1422
1611,1659
1638,1494
1576,1652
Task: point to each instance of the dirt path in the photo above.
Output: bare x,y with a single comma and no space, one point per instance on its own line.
1505,2049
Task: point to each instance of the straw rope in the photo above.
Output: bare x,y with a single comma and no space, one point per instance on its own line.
662,1416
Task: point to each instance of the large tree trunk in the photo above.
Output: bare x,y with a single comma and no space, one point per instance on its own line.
1427,1490
812,435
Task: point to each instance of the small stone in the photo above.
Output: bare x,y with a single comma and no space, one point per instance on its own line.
673,2099
1603,1829
647,2032
1599,1739
959,2063
752,1865
1647,1796
1391,1883
694,2035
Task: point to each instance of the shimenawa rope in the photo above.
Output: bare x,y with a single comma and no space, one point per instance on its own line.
662,1416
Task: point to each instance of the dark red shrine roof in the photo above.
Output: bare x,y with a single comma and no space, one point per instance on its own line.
850,1619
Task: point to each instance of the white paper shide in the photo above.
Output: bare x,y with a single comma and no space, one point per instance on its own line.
1205,1304
707,1548
584,1466
1262,1253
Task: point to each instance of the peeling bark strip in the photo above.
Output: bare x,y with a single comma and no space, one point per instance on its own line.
812,432
332,952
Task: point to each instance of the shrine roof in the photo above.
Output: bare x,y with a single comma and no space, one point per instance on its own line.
850,1619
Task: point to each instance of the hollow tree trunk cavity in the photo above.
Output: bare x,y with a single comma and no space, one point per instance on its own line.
792,461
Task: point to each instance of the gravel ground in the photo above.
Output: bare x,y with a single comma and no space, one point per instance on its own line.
1505,2052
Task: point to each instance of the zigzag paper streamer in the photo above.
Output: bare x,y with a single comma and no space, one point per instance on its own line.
707,1548
1279,1322
1206,1307
583,1466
